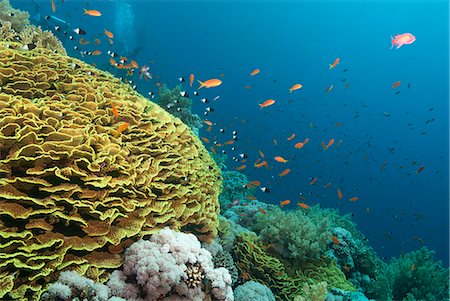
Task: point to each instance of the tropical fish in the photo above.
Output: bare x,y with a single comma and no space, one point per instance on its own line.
328,90
303,205
280,159
299,145
261,153
243,166
210,83
144,72
259,165
53,6
267,103
121,128
254,72
92,12
191,79
295,87
284,172
262,211
206,140
114,110
402,39
306,140
109,34
291,137
285,202
313,181
339,193
395,85
96,52
335,240
353,199
335,63
420,169
327,185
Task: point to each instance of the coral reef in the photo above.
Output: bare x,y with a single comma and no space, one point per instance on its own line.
294,234
179,106
254,263
173,265
72,286
233,189
313,292
74,191
17,18
416,276
252,291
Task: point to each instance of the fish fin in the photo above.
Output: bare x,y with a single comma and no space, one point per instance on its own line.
331,66
201,85
392,42
260,106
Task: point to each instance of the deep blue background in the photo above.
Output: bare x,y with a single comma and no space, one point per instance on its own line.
294,42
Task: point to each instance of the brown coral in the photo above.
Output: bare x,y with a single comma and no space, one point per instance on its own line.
72,194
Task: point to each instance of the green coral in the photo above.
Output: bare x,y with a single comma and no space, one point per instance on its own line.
179,106
294,234
254,263
416,276
313,292
18,19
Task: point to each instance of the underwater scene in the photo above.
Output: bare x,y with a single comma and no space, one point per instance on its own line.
224,150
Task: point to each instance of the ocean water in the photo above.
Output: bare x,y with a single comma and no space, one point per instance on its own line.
382,134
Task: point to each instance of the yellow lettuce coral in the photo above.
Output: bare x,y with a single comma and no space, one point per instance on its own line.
74,191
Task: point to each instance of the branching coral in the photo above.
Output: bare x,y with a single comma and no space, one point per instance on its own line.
19,19
416,276
253,291
179,106
170,264
233,189
293,234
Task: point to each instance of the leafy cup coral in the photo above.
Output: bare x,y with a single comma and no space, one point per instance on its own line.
74,191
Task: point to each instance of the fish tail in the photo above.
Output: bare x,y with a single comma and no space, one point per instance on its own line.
331,66
261,106
392,42
290,90
201,85
85,11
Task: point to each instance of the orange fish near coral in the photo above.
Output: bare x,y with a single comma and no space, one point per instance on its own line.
267,103
335,240
243,166
335,63
254,72
340,195
121,128
114,109
284,172
191,79
295,87
210,83
402,39
285,202
280,159
92,12
303,205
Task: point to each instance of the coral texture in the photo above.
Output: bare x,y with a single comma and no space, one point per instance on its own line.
252,291
170,265
74,191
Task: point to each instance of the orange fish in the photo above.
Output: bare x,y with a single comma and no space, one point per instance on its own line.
285,202
335,63
213,150
254,72
109,34
313,181
248,87
261,154
330,143
327,185
420,169
267,103
53,6
114,109
291,137
243,166
254,183
306,140
92,12
83,41
207,122
299,145
395,85
295,87
205,139
96,52
134,64
335,240
284,172
251,197
280,159
97,41
209,129
262,211
303,205
121,128
339,192
353,199
229,142
259,165
191,79
112,61
210,83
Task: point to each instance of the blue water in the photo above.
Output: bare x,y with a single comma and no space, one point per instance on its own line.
374,157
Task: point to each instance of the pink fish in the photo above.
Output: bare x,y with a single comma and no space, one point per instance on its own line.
145,73
402,39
